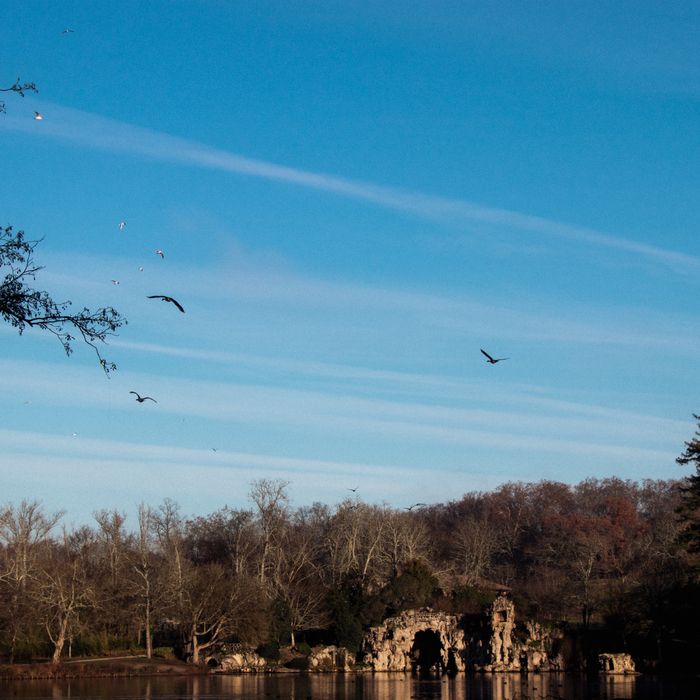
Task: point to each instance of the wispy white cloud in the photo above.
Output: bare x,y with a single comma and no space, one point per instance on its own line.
100,132
280,291
550,431
100,473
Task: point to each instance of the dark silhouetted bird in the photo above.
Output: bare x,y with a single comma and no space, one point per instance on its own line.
354,490
141,399
416,505
492,360
160,252
166,298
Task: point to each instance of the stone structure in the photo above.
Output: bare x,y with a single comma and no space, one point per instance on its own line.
236,658
537,653
616,663
416,641
490,640
330,658
502,654
437,642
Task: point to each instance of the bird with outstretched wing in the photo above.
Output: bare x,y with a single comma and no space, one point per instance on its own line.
141,399
492,360
167,298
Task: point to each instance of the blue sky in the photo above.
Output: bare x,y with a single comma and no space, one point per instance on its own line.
353,198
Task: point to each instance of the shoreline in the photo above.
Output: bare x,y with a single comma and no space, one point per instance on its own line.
141,666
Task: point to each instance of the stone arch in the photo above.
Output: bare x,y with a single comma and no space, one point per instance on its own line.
416,638
427,652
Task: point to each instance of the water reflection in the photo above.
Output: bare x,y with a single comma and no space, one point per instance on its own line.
394,686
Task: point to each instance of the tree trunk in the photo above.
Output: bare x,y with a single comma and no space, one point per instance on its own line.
149,637
60,641
195,645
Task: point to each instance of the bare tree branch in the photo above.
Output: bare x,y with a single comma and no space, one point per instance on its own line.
23,307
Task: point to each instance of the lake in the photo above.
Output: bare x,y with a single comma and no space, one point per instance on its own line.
394,686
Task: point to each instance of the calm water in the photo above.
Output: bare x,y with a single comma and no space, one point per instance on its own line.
393,686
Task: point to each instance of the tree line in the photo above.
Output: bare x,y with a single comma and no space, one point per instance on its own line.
602,554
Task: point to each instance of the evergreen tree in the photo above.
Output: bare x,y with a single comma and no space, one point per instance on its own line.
689,510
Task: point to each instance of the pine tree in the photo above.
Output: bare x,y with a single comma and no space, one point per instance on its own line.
689,510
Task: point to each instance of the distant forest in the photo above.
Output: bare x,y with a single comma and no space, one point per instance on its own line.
611,557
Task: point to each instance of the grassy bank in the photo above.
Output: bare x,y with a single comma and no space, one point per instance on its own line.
99,668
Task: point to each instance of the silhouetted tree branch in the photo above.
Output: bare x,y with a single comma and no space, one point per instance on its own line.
19,88
23,307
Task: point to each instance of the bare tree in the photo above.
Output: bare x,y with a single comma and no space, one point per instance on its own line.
63,591
23,530
271,500
405,539
475,542
295,580
144,575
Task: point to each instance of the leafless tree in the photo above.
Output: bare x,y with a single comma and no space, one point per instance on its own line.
23,531
271,500
63,591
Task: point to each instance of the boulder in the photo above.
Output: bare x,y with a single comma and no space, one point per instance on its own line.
330,658
236,659
616,663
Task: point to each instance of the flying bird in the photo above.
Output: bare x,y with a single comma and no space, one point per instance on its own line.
38,116
122,224
141,399
158,251
415,505
140,269
354,490
166,298
492,360
68,30
115,281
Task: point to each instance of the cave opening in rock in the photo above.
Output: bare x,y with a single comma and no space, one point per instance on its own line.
427,652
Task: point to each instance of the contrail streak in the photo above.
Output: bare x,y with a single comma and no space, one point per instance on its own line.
103,133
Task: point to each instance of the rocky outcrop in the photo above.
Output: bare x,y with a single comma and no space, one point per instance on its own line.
234,658
616,663
538,653
330,658
416,640
490,642
437,642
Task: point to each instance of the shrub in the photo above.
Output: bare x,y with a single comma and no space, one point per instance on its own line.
164,652
304,648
